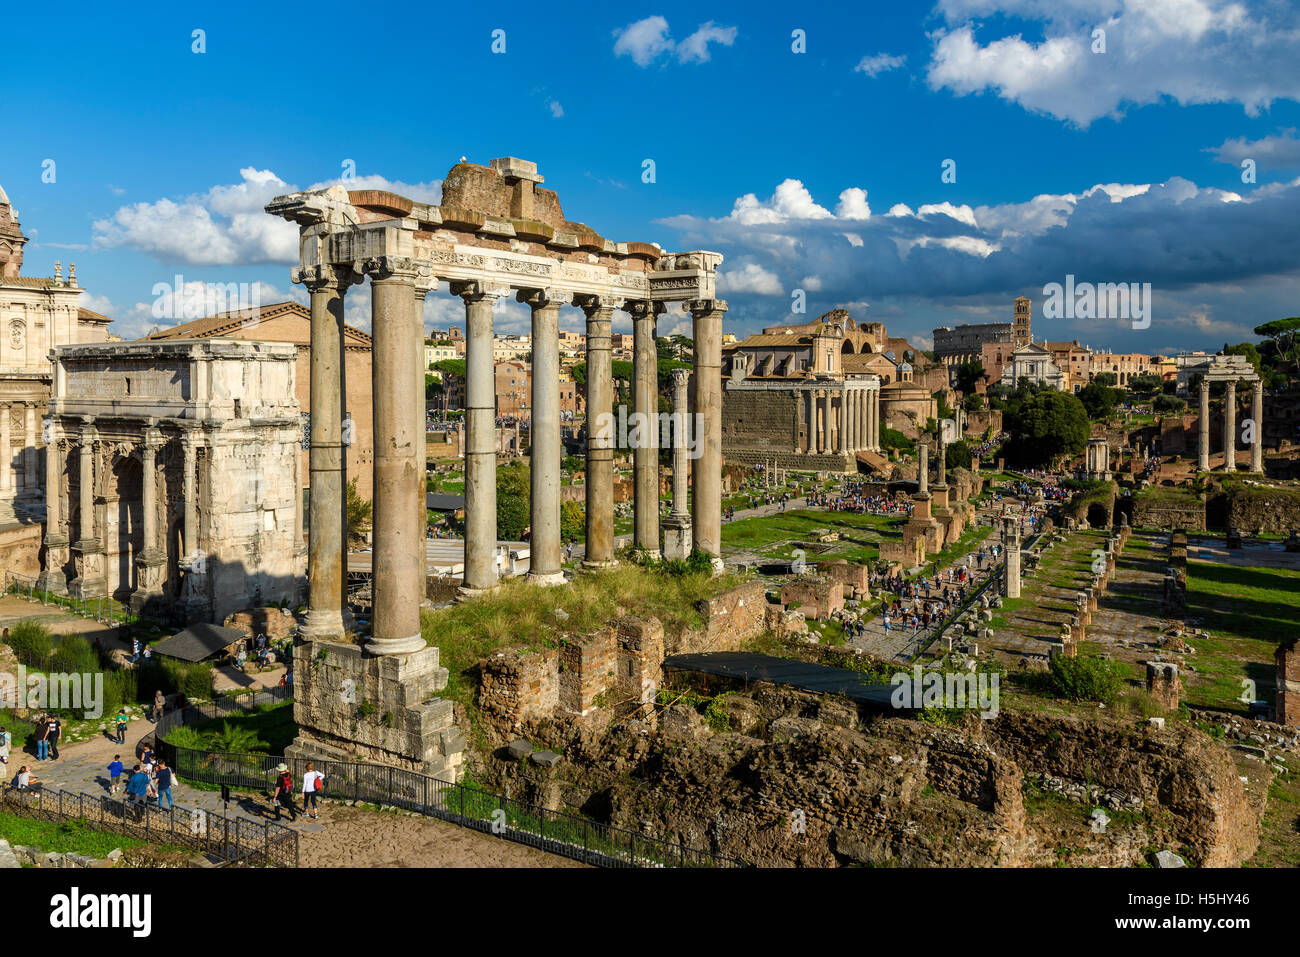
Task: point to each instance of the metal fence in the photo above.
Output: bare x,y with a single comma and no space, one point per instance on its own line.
226,841
557,832
99,607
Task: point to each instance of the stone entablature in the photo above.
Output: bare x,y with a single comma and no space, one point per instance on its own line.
171,476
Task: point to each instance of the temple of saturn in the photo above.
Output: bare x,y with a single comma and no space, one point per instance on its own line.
1230,370
497,232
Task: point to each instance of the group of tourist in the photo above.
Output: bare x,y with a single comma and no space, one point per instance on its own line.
313,783
855,497
150,781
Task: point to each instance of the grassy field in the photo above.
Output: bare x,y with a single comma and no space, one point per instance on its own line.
66,837
1248,612
266,729
860,535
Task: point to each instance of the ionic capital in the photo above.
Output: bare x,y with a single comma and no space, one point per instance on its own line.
702,307
544,298
323,277
477,291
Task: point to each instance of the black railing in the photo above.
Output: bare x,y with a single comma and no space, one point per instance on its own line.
226,841
557,832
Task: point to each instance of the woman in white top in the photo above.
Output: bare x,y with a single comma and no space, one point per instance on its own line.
312,782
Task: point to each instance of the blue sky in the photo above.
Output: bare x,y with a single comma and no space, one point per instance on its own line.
819,170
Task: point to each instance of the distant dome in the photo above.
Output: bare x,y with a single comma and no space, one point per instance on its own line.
904,367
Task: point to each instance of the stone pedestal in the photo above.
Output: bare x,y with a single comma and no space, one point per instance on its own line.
677,536
353,706
151,572
52,578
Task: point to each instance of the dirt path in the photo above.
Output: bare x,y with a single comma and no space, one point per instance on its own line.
355,837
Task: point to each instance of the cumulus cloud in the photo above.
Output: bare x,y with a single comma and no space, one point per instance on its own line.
1193,51
228,224
878,63
749,278
1183,238
557,111
645,41
1270,152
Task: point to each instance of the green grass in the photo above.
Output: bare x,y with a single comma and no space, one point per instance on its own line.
523,615
65,837
1260,603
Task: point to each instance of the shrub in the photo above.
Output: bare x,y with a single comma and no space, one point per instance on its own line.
1086,678
30,640
197,682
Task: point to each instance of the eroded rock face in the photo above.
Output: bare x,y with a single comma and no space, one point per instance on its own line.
805,780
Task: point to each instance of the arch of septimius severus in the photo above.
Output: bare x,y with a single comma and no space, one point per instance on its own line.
496,232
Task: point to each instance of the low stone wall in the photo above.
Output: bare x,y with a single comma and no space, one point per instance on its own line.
273,622
20,549
817,598
1262,510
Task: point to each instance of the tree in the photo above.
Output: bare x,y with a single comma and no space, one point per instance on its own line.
1248,350
1168,403
959,454
1285,334
968,374
573,521
454,367
358,515
513,508
1046,425
1100,400
1148,384
973,402
1105,378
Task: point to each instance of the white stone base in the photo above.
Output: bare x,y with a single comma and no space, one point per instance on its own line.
677,537
555,578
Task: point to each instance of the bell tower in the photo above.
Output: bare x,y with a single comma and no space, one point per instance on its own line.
12,240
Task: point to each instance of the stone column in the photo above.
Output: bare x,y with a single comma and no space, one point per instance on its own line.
480,440
398,558
1230,427
189,496
327,508
875,420
864,418
850,438
56,540
88,549
1257,416
544,454
600,434
151,561
942,477
923,468
6,452
801,421
645,401
29,450
706,522
1203,445
1011,541
677,528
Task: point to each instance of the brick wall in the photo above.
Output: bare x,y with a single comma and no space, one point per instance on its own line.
587,666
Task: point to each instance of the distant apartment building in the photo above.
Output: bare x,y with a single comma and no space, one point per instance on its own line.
1074,361
513,388
436,350
572,343
620,344
1123,366
510,348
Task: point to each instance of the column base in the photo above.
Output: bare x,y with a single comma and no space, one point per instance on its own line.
677,537
651,554
396,646
53,582
466,593
323,626
546,578
599,566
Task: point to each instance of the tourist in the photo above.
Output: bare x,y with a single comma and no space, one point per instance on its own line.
312,784
282,796
241,657
138,788
159,703
42,739
135,649
24,780
56,729
147,759
5,740
148,654
121,725
163,784
115,774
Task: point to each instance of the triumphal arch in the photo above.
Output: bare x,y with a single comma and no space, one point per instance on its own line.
497,232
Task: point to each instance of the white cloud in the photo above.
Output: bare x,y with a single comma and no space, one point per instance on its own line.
878,63
557,111
750,278
647,40
228,225
853,204
1193,51
1276,152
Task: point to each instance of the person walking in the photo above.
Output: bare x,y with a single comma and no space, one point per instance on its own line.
115,774
56,729
159,704
163,784
312,784
121,725
138,786
282,796
43,739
